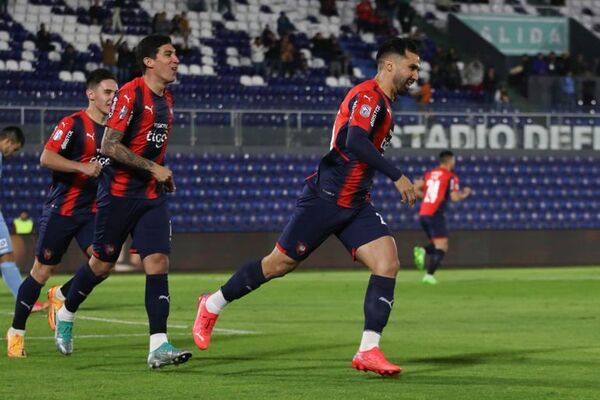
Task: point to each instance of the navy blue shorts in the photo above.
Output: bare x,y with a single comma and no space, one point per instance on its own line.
434,226
56,232
315,219
147,221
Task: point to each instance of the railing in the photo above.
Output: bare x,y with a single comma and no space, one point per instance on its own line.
293,128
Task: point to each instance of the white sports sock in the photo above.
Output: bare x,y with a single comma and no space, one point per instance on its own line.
369,340
59,294
12,331
156,340
65,315
216,302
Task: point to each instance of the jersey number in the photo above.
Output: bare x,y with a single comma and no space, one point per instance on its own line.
433,190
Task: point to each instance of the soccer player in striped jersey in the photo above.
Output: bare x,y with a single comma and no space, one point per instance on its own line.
72,154
132,198
336,201
437,187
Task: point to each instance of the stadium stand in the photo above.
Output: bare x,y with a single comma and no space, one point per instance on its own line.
220,192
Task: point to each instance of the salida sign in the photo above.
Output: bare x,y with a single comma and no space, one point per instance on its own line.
497,137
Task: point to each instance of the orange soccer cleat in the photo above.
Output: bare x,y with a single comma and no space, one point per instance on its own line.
15,345
374,360
204,324
54,305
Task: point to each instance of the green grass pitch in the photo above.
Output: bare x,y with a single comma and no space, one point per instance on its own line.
481,334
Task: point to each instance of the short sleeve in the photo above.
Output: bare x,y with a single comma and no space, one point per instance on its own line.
60,139
121,110
366,110
454,183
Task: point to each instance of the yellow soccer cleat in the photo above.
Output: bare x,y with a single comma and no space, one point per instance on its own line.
15,347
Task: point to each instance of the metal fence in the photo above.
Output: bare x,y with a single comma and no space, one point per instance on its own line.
298,128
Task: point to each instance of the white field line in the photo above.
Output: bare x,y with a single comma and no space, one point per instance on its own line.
145,324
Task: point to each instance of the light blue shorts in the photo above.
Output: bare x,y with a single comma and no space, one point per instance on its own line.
5,242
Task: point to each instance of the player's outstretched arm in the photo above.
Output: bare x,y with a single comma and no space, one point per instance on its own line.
419,184
460,196
54,161
113,148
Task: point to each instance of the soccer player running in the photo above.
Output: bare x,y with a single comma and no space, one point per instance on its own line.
72,153
438,185
11,141
132,198
336,201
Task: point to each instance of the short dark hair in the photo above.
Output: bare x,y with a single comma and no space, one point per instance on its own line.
14,134
98,75
396,45
445,156
149,46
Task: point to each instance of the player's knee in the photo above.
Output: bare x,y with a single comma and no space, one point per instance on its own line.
156,264
387,268
275,267
41,273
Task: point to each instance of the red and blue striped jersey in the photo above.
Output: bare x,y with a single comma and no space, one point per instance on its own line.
146,120
77,138
341,176
439,183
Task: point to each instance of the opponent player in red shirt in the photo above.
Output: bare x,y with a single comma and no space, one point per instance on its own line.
336,201
72,153
132,198
437,187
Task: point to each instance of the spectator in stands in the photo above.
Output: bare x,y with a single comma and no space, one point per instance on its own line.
284,25
184,28
67,60
521,73
197,5
473,74
580,66
43,39
267,37
406,15
320,46
365,17
563,64
125,63
224,6
257,56
161,25
273,58
490,85
287,56
552,64
539,65
567,86
97,13
339,62
117,24
109,53
328,8
385,8
501,99
425,94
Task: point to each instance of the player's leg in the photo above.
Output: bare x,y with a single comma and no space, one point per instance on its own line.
8,267
114,220
370,241
439,239
57,294
55,234
152,236
420,252
314,219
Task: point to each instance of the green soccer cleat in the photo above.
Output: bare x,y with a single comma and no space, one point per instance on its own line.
63,337
167,354
429,280
419,256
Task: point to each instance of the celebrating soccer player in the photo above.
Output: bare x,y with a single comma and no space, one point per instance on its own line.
336,201
132,198
72,154
438,185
